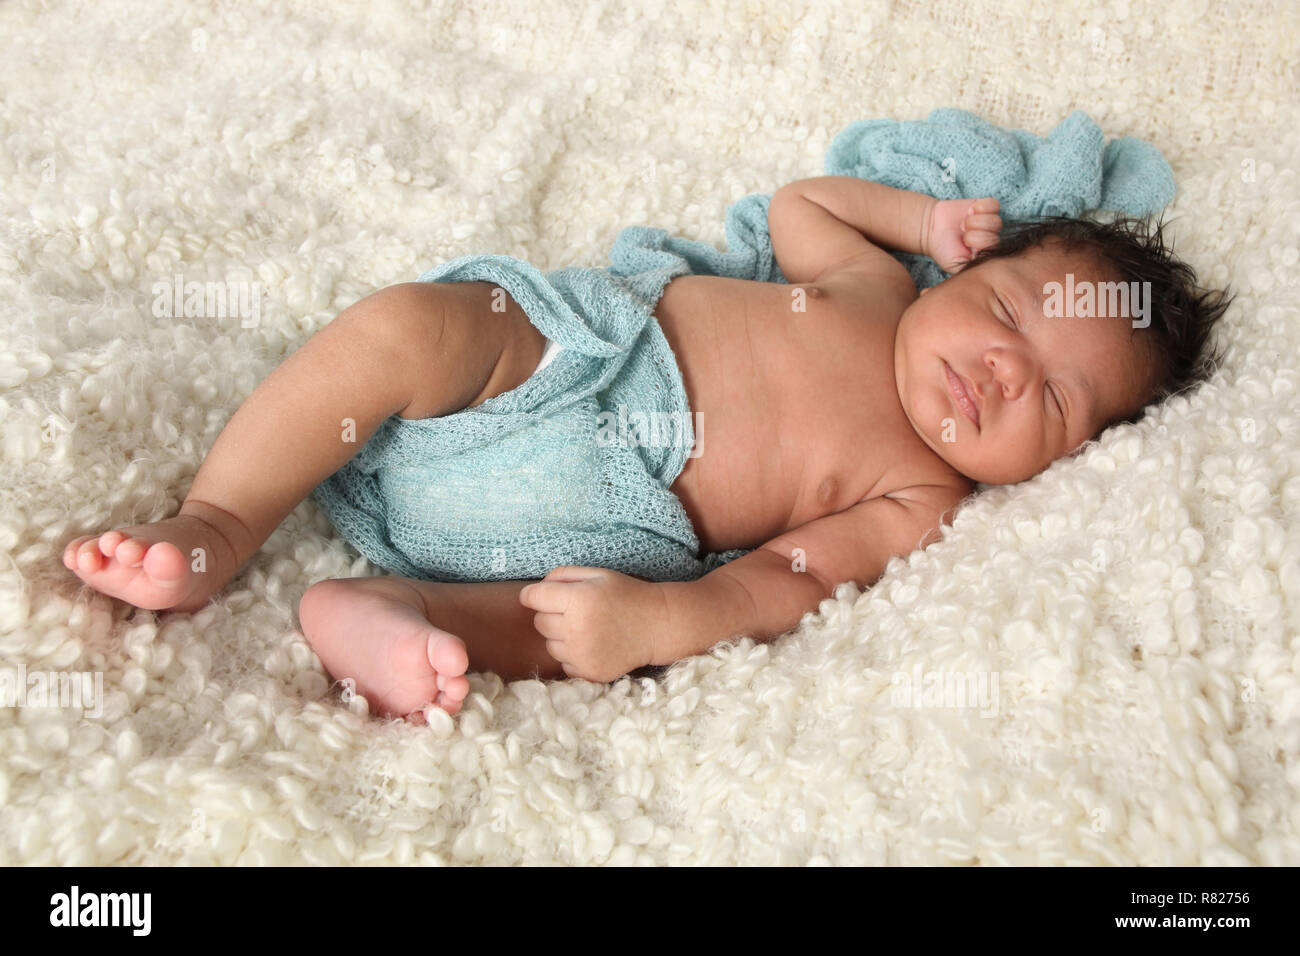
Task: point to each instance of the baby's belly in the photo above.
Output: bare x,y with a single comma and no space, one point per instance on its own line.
733,500
748,473
758,477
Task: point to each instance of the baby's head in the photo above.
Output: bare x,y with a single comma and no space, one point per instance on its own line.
1062,329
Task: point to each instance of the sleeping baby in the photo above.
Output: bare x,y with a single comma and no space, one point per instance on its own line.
491,436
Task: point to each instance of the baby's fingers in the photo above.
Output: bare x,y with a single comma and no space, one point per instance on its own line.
988,223
987,204
560,651
980,239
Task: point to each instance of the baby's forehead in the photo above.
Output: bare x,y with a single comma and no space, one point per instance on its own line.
1122,355
1053,259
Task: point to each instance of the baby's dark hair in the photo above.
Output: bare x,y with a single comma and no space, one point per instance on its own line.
1182,315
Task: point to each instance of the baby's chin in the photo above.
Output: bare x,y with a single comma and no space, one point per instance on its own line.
997,475
987,469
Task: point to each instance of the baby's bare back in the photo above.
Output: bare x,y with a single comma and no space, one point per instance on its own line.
794,399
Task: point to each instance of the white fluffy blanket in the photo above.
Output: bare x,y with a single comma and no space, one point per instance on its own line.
1133,614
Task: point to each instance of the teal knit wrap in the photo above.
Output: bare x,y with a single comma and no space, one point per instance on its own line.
573,466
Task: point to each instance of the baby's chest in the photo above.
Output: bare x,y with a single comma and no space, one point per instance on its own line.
833,397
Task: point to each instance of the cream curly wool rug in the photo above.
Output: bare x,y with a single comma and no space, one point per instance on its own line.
1097,666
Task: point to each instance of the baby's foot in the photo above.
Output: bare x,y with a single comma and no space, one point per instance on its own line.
373,632
175,564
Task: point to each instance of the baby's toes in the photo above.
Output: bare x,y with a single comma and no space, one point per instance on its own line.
449,704
448,656
129,552
450,660
453,688
88,558
108,542
70,553
453,699
163,561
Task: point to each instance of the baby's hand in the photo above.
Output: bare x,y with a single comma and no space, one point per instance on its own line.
597,623
959,228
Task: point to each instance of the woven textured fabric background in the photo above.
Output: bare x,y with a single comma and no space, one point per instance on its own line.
1138,606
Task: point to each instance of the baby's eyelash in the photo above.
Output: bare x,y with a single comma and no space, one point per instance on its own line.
1007,313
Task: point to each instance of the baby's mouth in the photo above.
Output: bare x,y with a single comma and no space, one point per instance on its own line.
960,396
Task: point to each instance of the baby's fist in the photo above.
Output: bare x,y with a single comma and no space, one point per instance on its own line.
598,623
959,228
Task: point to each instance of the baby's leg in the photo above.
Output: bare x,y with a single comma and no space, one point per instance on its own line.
414,349
397,639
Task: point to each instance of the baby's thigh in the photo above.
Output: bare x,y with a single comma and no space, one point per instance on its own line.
486,345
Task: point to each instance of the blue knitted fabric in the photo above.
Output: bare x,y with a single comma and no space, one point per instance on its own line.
540,476
547,474
952,155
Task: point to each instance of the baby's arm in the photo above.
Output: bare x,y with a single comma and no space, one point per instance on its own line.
599,624
767,592
890,218
819,223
